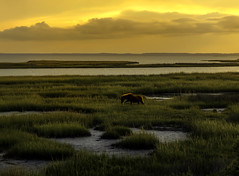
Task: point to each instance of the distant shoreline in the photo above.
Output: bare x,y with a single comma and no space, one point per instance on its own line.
110,64
210,54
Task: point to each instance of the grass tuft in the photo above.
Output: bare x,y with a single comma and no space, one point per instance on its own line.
116,132
40,149
9,138
60,130
139,141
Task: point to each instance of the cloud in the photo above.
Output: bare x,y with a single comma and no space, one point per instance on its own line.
230,23
128,24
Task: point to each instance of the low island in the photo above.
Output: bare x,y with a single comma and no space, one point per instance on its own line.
111,64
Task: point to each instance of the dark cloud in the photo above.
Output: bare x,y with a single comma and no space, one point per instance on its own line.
229,22
110,28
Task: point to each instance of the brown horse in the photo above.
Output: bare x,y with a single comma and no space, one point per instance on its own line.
131,98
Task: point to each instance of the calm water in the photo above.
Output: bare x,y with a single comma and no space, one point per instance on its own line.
113,71
95,144
141,58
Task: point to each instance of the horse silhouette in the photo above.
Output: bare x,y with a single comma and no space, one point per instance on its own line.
129,97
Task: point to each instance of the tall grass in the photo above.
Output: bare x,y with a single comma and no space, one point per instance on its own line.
9,138
92,165
139,141
17,171
28,121
116,132
94,101
58,130
202,157
233,113
40,149
213,128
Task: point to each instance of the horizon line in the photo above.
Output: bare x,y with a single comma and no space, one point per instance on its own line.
109,53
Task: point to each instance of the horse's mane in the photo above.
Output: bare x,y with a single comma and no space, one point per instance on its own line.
126,94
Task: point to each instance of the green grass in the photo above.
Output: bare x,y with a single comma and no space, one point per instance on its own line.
93,101
40,149
108,64
212,128
27,122
17,171
85,163
116,132
9,138
60,130
67,64
139,141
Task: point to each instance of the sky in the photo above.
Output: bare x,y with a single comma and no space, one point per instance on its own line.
119,26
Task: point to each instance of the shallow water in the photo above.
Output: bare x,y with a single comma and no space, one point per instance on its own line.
113,71
159,98
94,143
218,110
28,164
148,58
169,96
10,113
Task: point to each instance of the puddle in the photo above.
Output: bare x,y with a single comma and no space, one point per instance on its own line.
27,164
169,96
16,113
159,98
95,144
218,110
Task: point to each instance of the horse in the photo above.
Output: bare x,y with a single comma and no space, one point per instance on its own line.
131,98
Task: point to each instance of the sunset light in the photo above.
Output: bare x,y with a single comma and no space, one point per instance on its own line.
35,26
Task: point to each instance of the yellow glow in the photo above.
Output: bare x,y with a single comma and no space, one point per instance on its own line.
212,28
69,12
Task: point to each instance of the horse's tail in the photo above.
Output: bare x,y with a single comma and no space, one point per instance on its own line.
141,99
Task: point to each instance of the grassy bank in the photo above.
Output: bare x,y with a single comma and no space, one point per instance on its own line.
66,64
81,102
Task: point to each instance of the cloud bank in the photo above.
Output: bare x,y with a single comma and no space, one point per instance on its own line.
128,24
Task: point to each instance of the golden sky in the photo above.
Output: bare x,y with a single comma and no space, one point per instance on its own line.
121,26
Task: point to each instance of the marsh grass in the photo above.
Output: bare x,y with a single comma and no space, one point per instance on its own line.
116,132
27,122
67,64
233,113
201,156
36,103
91,101
139,141
40,149
60,130
9,138
17,171
108,64
212,128
84,163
